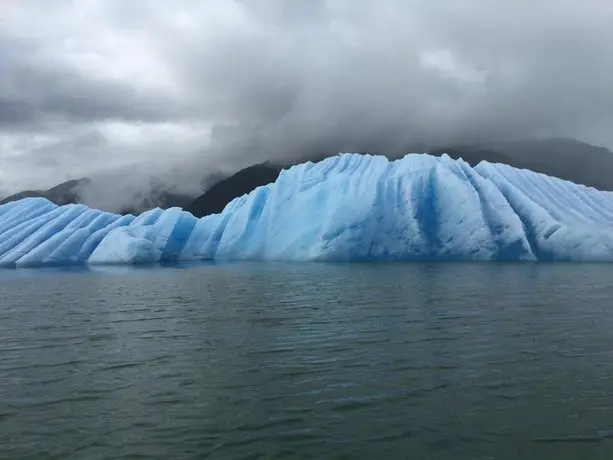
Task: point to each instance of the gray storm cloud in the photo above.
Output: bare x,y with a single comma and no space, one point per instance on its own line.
92,86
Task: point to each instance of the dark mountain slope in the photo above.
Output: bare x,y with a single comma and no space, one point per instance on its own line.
219,195
78,191
64,193
20,195
473,156
567,159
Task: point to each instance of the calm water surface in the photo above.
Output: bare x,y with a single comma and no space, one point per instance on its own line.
290,361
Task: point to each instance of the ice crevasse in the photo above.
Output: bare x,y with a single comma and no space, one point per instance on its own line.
347,207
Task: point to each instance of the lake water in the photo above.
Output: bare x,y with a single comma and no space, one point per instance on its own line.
322,361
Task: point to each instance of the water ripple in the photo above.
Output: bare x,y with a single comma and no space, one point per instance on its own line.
312,361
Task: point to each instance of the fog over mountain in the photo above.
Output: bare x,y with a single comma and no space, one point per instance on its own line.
145,92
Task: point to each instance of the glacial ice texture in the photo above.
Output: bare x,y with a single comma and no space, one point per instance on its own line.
347,207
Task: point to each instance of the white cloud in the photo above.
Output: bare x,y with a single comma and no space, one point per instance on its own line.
96,84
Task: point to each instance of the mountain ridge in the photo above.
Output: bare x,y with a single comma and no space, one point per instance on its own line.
564,158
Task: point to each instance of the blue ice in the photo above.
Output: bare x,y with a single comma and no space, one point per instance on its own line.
346,208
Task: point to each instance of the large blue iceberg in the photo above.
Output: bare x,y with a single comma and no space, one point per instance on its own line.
347,207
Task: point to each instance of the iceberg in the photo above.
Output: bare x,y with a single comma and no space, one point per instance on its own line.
349,207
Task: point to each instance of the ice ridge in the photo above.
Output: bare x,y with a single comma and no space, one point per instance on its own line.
348,207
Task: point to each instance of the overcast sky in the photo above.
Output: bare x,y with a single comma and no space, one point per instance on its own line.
93,84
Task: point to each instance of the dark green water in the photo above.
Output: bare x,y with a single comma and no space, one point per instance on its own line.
381,361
